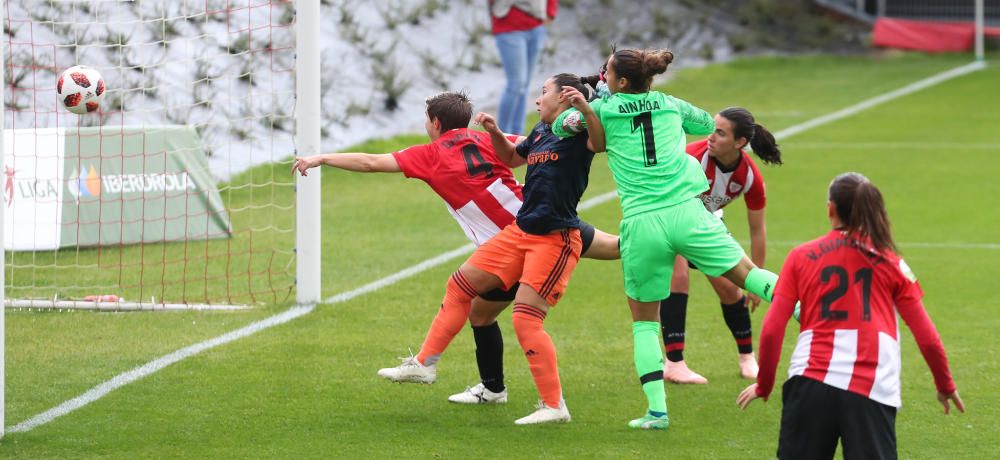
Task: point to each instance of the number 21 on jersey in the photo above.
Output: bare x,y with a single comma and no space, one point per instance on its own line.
839,275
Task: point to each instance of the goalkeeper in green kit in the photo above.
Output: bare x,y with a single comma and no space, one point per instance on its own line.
662,216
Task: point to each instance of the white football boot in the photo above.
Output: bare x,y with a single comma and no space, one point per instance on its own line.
410,371
546,414
479,394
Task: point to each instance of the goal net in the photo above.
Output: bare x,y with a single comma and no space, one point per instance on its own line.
177,190
928,25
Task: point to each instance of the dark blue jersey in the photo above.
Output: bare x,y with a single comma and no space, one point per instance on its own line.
558,171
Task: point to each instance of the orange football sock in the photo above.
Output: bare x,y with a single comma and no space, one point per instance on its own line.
449,320
540,351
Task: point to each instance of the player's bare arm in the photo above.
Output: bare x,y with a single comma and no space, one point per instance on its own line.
505,149
357,162
758,247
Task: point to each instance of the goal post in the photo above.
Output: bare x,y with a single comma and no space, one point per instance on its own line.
307,142
980,28
3,252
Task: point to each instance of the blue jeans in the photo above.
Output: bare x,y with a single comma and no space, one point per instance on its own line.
519,53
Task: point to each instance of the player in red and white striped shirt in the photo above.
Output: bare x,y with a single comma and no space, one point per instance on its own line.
844,373
459,164
731,173
462,168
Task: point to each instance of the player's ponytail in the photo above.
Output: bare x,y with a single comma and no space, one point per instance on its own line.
861,209
764,145
640,66
591,80
760,139
657,61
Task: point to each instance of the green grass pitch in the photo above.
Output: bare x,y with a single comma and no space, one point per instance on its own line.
308,389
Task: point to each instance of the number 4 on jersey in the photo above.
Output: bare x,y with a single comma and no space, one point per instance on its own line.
474,161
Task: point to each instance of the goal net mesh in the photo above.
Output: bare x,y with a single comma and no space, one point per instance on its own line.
177,190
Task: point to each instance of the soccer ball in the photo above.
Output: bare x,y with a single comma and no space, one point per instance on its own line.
81,89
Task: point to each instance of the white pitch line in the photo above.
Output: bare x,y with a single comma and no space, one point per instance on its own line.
442,258
949,146
950,245
905,245
869,103
146,369
402,274
135,374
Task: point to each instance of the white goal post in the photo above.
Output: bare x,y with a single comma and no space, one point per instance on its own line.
980,29
307,142
3,255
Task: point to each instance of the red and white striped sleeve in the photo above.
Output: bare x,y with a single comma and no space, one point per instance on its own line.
756,197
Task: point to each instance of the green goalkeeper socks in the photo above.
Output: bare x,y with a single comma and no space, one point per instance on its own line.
649,364
761,282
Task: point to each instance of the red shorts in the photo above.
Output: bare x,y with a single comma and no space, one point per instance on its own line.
544,262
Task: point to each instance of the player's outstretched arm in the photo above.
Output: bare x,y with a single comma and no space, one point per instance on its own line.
595,130
505,149
357,162
758,247
694,119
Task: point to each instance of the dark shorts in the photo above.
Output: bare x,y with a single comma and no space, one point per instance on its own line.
587,235
501,295
816,415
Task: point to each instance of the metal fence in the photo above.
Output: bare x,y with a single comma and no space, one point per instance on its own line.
934,10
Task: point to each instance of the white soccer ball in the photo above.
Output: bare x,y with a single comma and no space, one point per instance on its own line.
81,89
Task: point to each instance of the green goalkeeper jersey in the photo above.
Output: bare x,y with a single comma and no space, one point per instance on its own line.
645,142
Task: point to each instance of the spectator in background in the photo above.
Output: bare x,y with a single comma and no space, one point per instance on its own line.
519,28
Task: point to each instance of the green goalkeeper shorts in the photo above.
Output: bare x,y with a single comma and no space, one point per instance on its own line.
650,241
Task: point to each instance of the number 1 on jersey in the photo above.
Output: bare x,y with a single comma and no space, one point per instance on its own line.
644,120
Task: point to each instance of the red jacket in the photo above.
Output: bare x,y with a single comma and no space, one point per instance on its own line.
518,20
